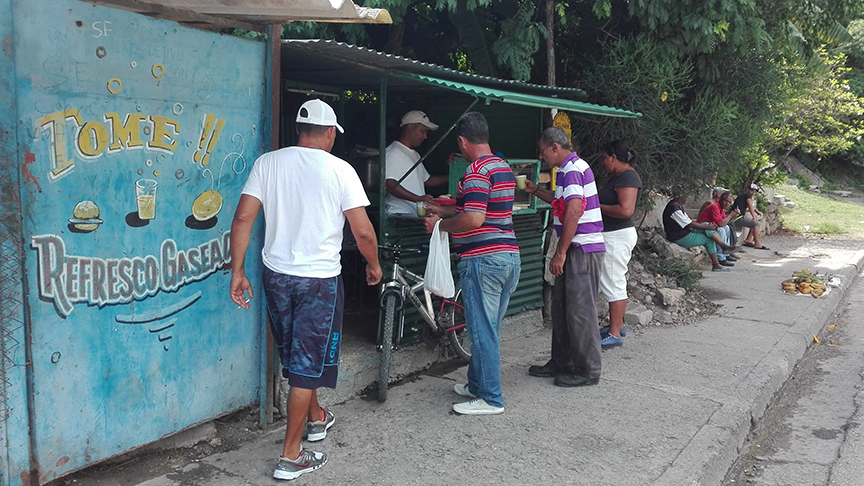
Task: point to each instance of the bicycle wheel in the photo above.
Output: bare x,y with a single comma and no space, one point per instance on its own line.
453,323
386,347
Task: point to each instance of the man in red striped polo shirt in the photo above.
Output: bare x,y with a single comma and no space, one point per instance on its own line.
482,227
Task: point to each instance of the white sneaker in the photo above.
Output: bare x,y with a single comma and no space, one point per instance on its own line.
307,462
461,389
478,406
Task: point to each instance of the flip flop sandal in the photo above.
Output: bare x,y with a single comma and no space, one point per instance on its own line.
721,269
751,245
733,250
763,247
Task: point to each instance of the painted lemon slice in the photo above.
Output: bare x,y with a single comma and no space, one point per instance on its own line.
207,205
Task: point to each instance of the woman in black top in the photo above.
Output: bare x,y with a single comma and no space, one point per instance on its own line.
617,203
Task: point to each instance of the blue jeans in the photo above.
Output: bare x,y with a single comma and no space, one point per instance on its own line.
487,282
723,231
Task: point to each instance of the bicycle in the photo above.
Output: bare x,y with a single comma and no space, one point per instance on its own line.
406,285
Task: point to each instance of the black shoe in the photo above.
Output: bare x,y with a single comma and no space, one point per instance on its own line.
732,257
575,380
726,264
546,371
734,249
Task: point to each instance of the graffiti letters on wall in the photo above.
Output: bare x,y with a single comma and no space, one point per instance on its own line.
70,279
66,279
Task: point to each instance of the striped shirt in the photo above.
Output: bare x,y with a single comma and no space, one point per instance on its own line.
575,179
488,186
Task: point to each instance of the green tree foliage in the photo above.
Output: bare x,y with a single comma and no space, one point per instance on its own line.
822,117
740,54
851,161
708,31
816,114
519,40
687,31
682,141
476,32
498,37
727,87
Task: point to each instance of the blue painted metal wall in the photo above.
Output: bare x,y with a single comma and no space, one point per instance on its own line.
14,438
131,330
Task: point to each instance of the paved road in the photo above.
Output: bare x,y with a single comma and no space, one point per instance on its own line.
812,434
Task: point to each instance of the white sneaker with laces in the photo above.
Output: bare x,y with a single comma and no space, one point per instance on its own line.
461,389
477,406
307,462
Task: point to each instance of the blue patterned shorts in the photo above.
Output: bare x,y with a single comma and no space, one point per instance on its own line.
306,319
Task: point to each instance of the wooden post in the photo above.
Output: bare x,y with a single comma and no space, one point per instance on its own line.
549,11
273,107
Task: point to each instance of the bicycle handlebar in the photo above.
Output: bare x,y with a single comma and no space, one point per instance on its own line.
394,252
399,248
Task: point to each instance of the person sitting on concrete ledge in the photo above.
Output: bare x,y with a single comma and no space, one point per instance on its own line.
715,212
745,205
683,231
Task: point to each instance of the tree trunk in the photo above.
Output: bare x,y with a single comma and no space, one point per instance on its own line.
550,42
549,11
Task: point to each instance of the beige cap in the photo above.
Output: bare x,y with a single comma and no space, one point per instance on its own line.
417,116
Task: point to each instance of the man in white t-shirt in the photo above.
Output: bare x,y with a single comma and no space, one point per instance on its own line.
401,155
307,194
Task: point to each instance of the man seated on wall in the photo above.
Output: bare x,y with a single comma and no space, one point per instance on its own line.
746,205
400,157
716,192
683,231
715,212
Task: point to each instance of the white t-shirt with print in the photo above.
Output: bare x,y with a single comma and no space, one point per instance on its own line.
304,193
398,160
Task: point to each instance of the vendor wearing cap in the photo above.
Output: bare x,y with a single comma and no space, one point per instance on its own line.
401,155
744,204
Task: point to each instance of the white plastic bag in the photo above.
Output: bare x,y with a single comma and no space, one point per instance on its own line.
438,278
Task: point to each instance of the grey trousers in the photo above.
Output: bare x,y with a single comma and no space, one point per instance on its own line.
575,333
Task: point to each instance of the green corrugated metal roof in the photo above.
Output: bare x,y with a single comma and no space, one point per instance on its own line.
523,99
349,66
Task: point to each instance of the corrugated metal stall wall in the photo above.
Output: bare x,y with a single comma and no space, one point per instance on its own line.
135,137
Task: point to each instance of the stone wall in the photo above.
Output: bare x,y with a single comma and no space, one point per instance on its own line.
657,300
770,222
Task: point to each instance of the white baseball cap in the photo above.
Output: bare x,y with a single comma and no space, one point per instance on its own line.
754,187
316,112
417,116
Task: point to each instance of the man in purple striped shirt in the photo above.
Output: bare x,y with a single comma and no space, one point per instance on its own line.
576,264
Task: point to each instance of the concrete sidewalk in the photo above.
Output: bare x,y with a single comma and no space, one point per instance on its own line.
672,408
